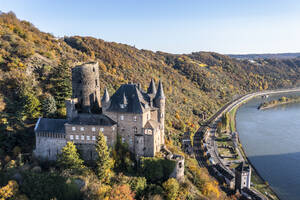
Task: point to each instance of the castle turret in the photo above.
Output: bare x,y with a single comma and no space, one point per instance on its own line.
105,101
71,110
159,102
151,88
86,86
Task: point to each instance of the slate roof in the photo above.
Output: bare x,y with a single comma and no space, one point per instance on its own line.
105,97
137,101
50,125
224,172
151,124
151,88
160,91
243,167
89,119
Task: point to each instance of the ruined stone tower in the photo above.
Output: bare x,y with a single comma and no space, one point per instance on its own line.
86,86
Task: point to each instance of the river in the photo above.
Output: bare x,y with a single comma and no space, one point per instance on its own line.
271,140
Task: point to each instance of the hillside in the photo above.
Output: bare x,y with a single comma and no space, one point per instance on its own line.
35,65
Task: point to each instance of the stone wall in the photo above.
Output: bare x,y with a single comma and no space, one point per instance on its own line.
48,145
129,124
87,134
86,86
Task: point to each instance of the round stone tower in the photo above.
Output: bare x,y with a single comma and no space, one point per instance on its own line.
86,86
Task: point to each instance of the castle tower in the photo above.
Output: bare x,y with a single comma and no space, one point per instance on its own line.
86,86
105,101
242,176
159,102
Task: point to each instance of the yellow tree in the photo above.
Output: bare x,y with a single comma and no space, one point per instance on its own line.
171,187
9,190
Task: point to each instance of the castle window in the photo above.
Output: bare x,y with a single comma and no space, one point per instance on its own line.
82,137
93,129
130,141
101,129
93,69
135,130
73,128
180,165
122,117
82,128
88,137
96,82
77,137
71,137
94,138
135,118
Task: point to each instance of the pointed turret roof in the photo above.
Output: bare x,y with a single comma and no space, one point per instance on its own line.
160,91
105,97
124,99
151,88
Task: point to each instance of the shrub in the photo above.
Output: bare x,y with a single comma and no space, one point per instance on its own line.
171,187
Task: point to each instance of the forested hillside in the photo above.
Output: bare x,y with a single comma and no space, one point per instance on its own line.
35,70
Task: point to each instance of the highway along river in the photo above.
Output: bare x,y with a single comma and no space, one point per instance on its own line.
271,140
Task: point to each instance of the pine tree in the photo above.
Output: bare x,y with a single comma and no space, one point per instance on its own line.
48,105
104,162
69,157
61,81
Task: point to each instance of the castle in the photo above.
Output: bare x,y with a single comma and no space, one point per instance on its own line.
135,115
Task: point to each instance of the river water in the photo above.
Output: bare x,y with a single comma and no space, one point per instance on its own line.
271,140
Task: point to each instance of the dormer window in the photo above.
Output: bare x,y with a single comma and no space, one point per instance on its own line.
135,118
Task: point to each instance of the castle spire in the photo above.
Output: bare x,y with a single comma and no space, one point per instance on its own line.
151,88
160,91
105,97
124,99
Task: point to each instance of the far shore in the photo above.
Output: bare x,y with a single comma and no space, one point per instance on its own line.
275,103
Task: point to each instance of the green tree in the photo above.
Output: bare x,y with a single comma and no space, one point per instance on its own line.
69,158
138,185
30,105
61,83
48,105
104,162
171,187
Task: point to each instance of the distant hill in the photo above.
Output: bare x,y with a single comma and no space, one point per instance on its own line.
267,55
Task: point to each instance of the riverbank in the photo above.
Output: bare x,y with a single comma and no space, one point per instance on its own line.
257,180
278,102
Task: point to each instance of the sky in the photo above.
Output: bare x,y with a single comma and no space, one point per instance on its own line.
174,26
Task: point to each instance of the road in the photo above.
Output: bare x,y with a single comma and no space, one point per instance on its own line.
203,131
